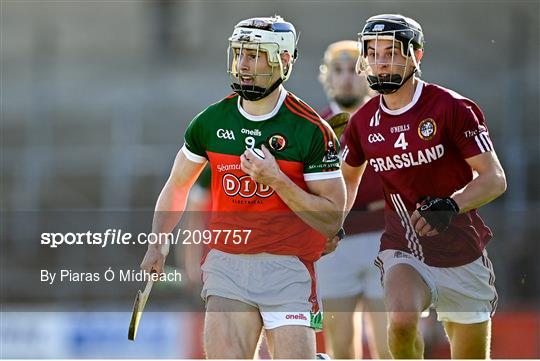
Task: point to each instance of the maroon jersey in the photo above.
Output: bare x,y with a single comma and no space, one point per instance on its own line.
369,191
420,150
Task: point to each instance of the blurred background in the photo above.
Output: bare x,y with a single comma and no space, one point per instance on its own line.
95,97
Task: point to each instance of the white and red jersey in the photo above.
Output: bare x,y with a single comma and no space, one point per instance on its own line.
421,150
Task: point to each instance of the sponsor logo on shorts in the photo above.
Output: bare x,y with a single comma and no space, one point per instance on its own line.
298,316
400,254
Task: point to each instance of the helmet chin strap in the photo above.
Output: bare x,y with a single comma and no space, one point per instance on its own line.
253,93
388,87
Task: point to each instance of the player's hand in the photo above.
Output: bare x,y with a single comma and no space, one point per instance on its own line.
433,216
332,243
153,260
263,170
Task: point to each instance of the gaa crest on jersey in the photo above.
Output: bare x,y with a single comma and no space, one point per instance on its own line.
277,142
427,129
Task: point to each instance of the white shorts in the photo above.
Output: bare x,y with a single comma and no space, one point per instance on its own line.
282,287
464,294
349,270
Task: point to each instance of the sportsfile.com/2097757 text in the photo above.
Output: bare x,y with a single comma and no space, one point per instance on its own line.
119,237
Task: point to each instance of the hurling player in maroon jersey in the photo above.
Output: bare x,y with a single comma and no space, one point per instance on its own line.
347,280
431,148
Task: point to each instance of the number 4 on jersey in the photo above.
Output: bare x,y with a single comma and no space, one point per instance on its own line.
400,142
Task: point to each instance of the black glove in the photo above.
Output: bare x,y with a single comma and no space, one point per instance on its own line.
438,212
331,245
341,233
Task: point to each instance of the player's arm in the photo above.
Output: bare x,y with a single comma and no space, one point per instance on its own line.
434,215
353,177
170,206
173,197
469,134
321,206
488,185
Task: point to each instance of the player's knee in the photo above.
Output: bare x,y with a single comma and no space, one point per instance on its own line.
293,342
299,350
403,325
401,306
225,348
225,353
346,352
342,346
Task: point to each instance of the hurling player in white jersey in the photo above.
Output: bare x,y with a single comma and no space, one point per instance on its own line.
432,150
348,282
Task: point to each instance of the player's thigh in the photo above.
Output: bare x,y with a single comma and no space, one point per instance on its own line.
405,290
291,342
469,341
231,329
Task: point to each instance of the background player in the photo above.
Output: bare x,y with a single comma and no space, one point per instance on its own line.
348,280
275,169
425,142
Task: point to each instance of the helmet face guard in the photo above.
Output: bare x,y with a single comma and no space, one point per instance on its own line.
271,36
251,91
405,35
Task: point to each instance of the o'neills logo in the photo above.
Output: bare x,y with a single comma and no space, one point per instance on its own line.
299,316
277,142
253,132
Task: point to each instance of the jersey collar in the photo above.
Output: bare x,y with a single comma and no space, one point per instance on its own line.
416,96
260,118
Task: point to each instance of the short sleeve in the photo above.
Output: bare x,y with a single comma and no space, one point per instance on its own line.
194,148
353,154
322,159
468,130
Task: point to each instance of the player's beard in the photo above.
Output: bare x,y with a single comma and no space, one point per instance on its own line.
255,91
390,83
347,101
